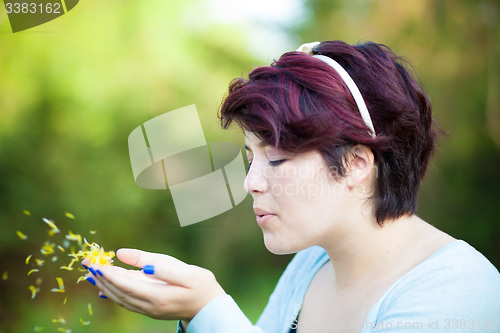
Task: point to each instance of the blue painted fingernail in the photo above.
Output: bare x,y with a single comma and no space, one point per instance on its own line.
148,269
92,271
85,266
91,280
99,272
102,296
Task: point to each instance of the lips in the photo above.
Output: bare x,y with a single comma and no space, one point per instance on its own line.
260,211
263,216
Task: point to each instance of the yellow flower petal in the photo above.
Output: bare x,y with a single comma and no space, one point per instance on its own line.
61,248
21,235
65,300
34,270
90,309
93,232
34,291
64,330
74,237
60,283
53,228
69,215
81,278
70,266
39,262
84,323
47,248
5,275
26,212
38,328
28,259
60,320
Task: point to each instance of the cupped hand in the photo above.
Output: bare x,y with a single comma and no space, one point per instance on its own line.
166,288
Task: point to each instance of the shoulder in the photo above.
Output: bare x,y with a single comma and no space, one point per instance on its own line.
455,282
456,264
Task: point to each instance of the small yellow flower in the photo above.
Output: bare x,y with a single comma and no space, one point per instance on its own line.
34,291
95,254
21,235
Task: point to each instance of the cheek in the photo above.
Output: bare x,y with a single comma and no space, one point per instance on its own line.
308,196
284,187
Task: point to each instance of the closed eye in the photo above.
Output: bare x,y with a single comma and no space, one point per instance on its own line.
277,162
271,163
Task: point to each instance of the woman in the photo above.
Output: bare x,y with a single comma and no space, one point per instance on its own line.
338,138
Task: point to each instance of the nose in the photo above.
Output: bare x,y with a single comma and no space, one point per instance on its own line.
255,181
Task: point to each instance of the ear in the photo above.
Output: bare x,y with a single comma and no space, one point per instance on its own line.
359,166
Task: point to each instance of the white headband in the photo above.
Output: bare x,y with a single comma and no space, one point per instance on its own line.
353,88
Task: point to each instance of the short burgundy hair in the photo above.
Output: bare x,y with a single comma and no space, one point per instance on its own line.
300,103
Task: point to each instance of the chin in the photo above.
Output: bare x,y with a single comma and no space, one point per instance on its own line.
280,246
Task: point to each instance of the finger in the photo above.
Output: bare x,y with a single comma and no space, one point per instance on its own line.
86,262
128,283
180,275
114,296
132,306
136,275
102,295
141,292
122,297
160,266
140,258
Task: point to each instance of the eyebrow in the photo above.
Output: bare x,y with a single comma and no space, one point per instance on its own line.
261,144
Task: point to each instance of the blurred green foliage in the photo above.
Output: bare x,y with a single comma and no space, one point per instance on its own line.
73,89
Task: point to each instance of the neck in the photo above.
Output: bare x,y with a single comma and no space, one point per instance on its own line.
366,249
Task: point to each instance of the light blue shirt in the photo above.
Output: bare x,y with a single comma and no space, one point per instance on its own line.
456,289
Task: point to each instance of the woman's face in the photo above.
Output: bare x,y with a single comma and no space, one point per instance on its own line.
297,200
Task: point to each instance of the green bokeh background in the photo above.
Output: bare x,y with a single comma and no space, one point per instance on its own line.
73,89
